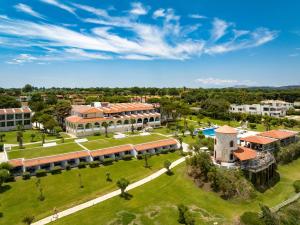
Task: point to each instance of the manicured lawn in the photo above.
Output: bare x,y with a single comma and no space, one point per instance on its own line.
104,143
20,198
11,136
155,202
41,151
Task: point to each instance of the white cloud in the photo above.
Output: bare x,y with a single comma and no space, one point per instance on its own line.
215,81
294,55
22,58
27,9
60,5
197,16
219,29
98,12
136,57
159,13
84,54
138,9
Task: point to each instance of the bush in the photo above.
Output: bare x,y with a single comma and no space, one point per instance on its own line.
41,173
108,161
97,134
250,218
1,147
296,185
68,167
94,164
164,151
139,156
252,126
26,175
82,165
172,150
56,170
127,157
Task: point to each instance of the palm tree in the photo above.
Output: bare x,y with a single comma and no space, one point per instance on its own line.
146,161
32,137
28,220
105,125
167,165
132,122
2,136
122,184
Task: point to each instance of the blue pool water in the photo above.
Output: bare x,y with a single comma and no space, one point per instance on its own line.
209,132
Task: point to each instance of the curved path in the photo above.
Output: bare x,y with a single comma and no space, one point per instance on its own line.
95,201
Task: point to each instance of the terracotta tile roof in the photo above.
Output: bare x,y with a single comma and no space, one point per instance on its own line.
15,110
112,150
226,130
16,162
92,110
73,119
26,110
2,111
55,158
258,139
155,144
9,111
18,110
244,153
278,134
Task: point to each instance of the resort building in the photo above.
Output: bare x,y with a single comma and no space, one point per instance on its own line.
11,118
275,108
253,155
120,117
73,159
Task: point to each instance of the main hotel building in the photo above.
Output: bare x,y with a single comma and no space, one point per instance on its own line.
89,119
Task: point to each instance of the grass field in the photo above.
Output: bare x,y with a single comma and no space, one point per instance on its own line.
155,202
104,143
11,136
35,150
41,151
20,198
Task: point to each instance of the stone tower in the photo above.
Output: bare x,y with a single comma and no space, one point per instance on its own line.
225,144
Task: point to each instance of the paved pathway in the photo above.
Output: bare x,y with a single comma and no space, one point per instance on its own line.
95,201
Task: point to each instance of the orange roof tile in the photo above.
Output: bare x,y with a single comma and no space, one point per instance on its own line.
244,153
278,134
112,150
55,158
258,140
16,162
226,130
155,144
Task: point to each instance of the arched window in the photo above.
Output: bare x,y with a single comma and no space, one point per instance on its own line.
157,119
145,120
231,144
139,120
80,127
88,126
151,119
119,122
97,124
126,122
111,123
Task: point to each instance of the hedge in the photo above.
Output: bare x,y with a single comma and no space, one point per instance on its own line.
56,170
139,156
250,218
94,164
82,165
164,151
296,185
127,157
107,161
26,175
41,173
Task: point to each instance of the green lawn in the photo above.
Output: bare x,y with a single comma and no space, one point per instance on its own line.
20,198
11,136
104,143
41,151
155,202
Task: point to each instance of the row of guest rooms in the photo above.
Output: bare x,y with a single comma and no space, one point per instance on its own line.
11,118
74,158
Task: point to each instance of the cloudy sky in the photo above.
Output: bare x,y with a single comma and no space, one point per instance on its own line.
194,43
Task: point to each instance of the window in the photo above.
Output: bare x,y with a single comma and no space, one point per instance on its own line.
26,115
18,116
10,123
26,122
231,144
19,122
231,156
2,124
2,117
10,116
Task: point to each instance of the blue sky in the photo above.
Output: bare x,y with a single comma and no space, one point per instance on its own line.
193,43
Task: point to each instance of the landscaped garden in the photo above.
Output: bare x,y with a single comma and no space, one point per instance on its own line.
21,198
156,202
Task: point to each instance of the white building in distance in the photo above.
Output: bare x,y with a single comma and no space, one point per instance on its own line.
275,108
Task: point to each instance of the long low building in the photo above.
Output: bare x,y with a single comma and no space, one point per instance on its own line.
73,159
120,117
11,118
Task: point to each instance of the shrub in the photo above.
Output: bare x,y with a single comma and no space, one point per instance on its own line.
250,218
172,150
108,161
97,134
296,185
252,126
1,147
164,151
68,167
26,175
139,156
94,164
41,173
82,165
127,157
56,170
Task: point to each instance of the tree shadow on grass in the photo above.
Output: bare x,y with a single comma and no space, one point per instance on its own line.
126,196
4,188
170,173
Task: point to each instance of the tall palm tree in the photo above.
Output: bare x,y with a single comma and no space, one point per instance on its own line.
132,122
105,125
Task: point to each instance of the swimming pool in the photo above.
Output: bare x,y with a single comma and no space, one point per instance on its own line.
209,132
